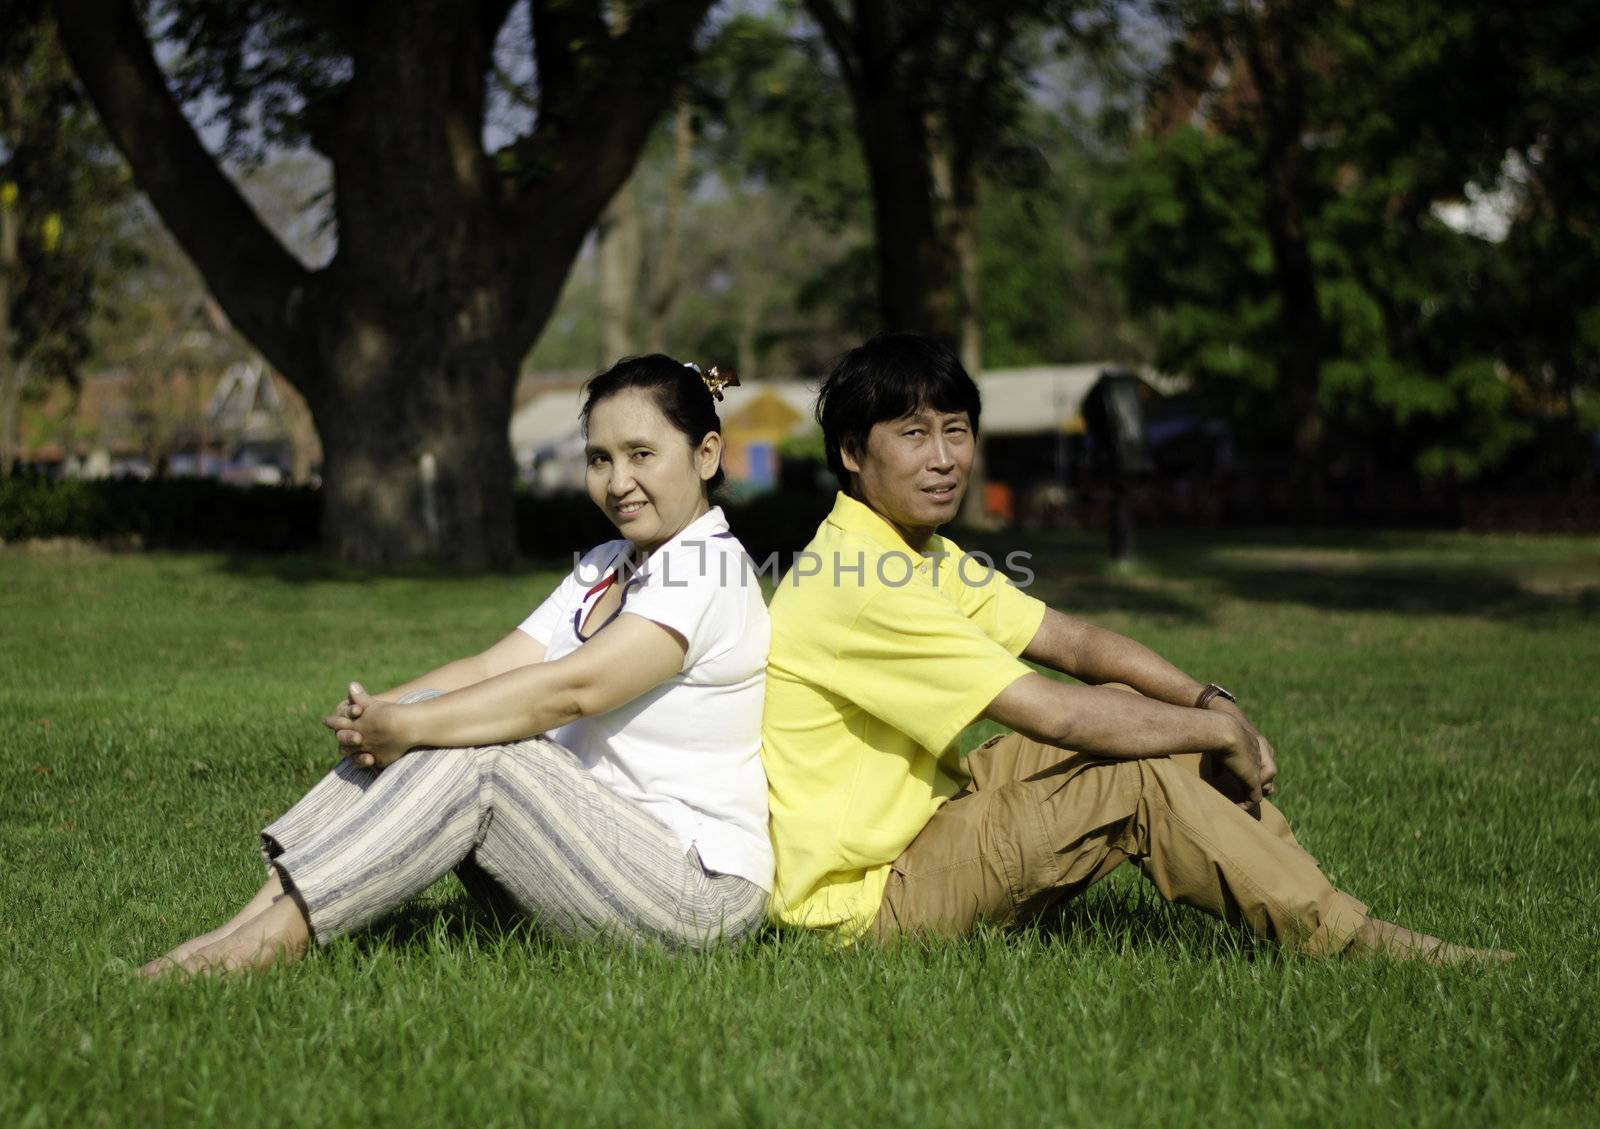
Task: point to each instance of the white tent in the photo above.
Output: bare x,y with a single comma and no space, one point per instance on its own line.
1022,401
548,420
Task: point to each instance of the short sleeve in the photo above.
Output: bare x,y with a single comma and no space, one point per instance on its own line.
1004,613
914,661
545,620
684,592
989,599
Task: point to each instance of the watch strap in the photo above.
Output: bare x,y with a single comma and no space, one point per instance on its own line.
1211,691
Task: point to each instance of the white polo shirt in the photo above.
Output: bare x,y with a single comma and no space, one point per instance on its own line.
687,751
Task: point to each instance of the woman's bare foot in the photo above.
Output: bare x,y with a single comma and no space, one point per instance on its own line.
277,935
1396,941
264,897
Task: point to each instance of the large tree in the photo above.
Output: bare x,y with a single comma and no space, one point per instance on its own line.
1286,221
450,256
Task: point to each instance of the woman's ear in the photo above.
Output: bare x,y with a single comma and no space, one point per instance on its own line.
708,456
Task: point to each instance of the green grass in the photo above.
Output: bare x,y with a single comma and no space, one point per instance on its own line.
1435,701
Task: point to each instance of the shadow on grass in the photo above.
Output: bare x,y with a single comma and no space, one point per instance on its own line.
457,921
1434,591
1177,574
1131,919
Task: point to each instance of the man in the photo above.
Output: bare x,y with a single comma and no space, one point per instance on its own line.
887,643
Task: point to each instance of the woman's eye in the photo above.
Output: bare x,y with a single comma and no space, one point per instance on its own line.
597,460
640,456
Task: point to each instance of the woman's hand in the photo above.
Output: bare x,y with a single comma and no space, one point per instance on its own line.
372,732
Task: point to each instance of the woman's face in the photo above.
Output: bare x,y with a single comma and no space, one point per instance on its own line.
647,477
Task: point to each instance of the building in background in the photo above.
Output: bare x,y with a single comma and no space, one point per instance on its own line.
244,425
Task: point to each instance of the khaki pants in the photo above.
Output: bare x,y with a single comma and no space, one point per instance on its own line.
1038,824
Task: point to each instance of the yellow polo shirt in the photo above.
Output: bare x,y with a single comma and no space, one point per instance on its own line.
880,657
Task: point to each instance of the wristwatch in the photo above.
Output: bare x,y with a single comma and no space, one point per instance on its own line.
1211,691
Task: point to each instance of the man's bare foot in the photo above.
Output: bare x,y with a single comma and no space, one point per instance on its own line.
264,897
277,935
1396,941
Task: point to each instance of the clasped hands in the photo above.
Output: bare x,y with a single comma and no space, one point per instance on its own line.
370,731
1246,770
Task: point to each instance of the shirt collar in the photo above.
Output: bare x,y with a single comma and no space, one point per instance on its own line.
857,517
708,524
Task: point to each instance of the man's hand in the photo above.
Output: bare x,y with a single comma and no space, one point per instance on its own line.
1269,755
371,731
1244,769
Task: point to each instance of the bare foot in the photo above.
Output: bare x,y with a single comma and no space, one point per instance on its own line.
264,897
277,935
1396,941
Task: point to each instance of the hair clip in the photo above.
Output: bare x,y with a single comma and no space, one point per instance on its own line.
716,381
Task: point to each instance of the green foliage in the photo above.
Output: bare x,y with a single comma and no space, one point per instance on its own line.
170,513
773,272
1045,291
64,195
201,513
264,72
1348,125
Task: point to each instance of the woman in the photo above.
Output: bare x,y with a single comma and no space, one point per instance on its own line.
641,810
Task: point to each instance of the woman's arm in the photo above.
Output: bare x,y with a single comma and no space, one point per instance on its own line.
626,658
515,650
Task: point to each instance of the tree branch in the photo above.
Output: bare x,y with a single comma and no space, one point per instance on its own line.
259,283
836,29
564,32
491,15
583,149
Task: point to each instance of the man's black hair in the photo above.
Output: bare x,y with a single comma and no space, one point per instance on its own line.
889,377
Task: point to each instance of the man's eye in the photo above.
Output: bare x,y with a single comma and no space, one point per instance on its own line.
640,456
914,433
597,460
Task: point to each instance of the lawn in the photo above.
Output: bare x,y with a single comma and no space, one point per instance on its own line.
1434,703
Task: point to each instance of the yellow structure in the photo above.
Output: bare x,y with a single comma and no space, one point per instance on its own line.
752,435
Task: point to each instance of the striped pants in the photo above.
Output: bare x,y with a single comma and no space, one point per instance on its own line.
524,826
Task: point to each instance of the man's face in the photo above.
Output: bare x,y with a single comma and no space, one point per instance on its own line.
914,470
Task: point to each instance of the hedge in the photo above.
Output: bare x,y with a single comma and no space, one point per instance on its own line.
200,513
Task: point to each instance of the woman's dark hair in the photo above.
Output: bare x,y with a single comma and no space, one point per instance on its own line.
678,390
889,377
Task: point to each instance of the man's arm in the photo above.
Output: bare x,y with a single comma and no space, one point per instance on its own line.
1094,655
1111,723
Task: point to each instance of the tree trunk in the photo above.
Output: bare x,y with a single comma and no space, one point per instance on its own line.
1275,48
916,270
424,472
955,192
10,370
664,278
449,261
618,255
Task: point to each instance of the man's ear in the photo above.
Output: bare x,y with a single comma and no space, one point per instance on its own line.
850,456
